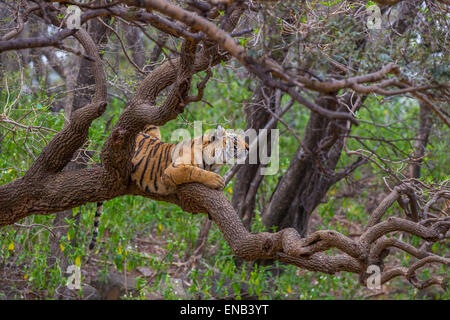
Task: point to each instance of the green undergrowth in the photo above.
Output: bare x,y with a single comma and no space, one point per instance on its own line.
137,234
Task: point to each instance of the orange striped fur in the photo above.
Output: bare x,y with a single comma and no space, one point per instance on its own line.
158,167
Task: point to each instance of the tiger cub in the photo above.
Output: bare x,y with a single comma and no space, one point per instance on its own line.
158,167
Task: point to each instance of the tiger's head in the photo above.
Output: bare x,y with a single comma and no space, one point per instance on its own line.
221,147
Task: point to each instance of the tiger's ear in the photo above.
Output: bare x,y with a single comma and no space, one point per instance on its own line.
220,132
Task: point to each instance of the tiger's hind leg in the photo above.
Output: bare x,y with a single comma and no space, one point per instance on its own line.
185,173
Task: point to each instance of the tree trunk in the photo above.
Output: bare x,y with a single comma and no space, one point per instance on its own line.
421,140
311,172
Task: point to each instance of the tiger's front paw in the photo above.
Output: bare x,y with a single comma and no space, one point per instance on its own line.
214,181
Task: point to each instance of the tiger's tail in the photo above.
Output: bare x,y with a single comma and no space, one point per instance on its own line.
98,213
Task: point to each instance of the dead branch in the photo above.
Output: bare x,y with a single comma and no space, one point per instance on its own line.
287,245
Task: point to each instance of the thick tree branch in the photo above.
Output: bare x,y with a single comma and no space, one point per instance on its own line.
38,42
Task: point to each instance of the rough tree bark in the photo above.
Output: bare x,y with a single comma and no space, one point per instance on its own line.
259,111
248,177
311,172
